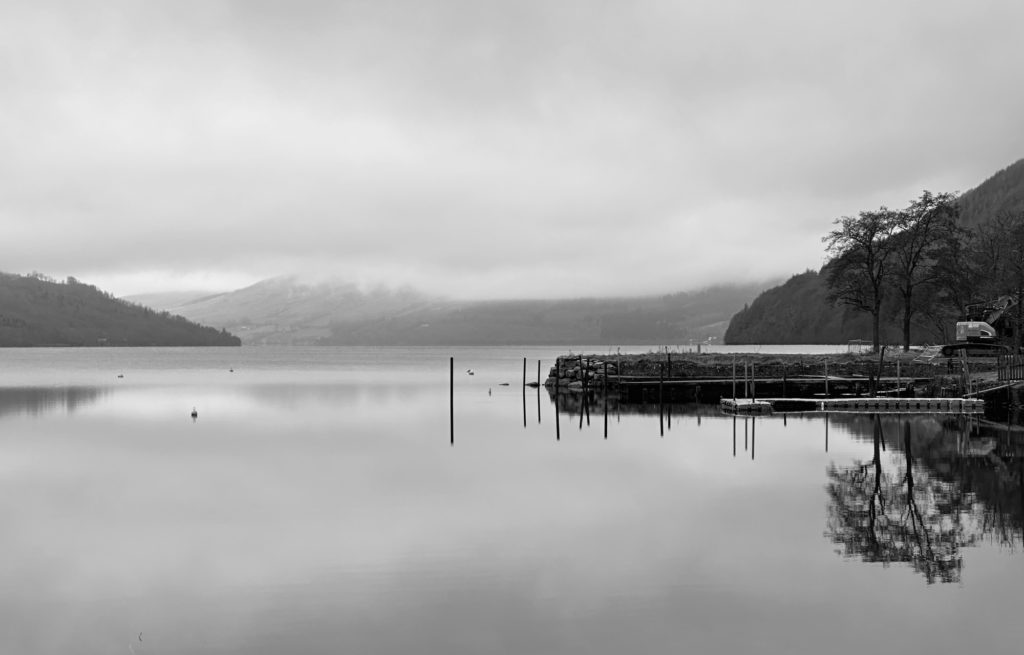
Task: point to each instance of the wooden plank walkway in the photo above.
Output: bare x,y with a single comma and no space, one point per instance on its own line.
646,380
905,405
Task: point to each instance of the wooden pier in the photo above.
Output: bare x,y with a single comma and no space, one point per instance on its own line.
851,404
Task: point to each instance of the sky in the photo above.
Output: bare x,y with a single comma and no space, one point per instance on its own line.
481,148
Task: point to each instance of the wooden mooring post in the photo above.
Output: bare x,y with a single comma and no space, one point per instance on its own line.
605,396
734,377
661,399
538,392
451,397
558,377
524,393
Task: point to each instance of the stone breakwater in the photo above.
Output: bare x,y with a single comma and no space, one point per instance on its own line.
573,372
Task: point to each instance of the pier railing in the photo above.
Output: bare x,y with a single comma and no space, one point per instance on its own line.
1010,367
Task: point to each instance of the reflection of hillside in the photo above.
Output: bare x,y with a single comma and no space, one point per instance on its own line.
35,401
946,482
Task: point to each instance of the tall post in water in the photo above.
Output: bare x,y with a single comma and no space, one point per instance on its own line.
583,397
899,381
558,377
784,380
826,378
734,378
538,392
669,364
605,397
753,383
661,399
586,393
451,396
524,392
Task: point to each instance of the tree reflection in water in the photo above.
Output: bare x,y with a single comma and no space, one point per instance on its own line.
902,512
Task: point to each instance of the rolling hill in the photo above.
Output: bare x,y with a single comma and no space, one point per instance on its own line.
38,311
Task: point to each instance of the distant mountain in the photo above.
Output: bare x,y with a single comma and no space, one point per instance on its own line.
285,310
799,312
38,311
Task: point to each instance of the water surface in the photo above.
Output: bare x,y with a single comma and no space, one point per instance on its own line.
317,505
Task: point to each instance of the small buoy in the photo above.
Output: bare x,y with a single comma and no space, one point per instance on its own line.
231,370
120,375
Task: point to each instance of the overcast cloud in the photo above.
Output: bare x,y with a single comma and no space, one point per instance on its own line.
525,148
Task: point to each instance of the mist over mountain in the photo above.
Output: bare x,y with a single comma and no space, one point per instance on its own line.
286,310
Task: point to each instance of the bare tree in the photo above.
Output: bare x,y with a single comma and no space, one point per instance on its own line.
861,252
924,231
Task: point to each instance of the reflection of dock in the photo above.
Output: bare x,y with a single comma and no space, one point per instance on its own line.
853,404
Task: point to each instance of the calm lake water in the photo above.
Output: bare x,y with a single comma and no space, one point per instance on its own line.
317,505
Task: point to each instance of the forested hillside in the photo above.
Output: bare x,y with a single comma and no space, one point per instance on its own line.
799,311
1000,194
38,311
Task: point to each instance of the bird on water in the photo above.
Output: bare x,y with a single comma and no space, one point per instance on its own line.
194,413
